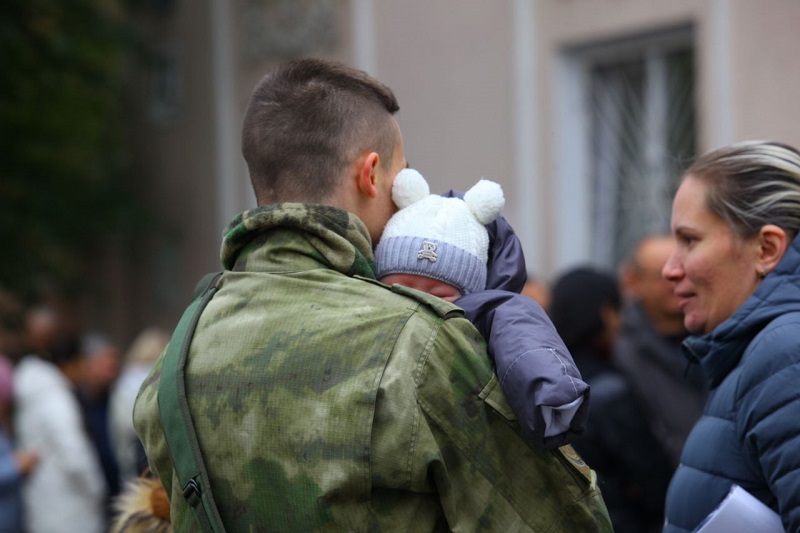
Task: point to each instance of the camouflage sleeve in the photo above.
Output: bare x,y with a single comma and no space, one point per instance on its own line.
145,421
466,451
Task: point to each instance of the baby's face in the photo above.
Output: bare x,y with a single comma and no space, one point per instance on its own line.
432,286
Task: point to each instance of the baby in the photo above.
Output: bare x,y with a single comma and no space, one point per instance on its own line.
440,245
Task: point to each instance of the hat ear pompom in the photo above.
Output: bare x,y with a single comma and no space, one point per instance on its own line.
485,199
409,187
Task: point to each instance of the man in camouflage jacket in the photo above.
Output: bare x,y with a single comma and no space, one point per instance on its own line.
324,400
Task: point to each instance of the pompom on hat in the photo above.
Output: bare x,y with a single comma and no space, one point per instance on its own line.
438,237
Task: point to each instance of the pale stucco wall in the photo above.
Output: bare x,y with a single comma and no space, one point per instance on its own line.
766,70
458,71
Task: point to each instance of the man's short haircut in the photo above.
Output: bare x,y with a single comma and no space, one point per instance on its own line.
307,121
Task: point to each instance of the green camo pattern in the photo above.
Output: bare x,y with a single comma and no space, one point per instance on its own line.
326,401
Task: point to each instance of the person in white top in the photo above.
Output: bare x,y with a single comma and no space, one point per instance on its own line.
66,491
137,362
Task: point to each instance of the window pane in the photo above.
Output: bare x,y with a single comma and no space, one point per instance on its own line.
643,135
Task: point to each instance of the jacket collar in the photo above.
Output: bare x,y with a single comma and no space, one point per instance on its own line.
327,234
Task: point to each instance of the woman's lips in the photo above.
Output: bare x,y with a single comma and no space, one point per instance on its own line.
684,300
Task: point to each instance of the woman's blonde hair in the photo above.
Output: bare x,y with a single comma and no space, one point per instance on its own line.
753,183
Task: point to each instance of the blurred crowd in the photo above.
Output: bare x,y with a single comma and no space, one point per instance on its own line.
67,443
624,330
66,398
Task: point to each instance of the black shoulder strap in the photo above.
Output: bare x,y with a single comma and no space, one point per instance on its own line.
174,412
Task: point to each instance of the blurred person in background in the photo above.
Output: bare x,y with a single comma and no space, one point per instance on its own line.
15,464
649,352
538,290
43,329
632,471
12,317
136,364
736,272
100,367
67,489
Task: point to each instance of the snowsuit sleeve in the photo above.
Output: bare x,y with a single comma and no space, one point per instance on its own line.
536,371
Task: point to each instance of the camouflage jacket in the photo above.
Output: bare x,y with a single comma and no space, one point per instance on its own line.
326,401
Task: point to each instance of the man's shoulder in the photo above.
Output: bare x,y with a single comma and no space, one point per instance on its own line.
434,336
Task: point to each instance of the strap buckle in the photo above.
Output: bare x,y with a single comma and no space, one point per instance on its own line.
191,493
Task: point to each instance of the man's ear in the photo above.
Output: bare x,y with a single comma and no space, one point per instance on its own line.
367,175
772,244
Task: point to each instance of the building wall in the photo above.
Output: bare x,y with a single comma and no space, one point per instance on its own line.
148,279
481,87
733,60
450,65
766,71
565,26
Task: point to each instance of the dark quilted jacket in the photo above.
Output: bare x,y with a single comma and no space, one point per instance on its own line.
749,433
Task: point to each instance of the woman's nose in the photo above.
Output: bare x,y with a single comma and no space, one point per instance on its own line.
671,270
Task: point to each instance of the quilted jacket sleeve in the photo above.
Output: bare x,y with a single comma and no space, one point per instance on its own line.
768,414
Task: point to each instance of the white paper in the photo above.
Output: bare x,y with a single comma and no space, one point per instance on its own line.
742,512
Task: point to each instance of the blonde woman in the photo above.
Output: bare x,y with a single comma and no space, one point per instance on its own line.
736,270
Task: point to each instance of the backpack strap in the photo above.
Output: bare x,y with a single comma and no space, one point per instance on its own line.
184,449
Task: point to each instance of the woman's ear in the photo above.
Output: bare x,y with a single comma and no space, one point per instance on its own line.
772,244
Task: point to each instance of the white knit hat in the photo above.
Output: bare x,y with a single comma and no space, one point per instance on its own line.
438,237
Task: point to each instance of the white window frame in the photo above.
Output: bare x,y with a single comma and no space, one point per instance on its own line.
573,188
